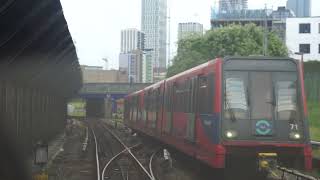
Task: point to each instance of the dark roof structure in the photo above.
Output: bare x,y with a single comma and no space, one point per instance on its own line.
36,48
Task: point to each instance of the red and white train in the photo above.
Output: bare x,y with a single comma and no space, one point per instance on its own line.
227,110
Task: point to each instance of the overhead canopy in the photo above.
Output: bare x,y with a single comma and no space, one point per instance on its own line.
36,48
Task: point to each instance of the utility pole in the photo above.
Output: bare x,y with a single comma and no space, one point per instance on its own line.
169,38
265,34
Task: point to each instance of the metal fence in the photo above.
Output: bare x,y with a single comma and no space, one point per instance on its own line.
30,115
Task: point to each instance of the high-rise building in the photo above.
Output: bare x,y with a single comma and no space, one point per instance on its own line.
189,29
226,6
131,64
131,39
301,8
147,66
275,20
154,25
279,18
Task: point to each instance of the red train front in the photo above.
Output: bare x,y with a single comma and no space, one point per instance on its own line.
229,110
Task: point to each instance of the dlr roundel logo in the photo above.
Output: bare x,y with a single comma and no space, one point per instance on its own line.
263,127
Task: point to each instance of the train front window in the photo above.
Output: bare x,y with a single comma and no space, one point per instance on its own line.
286,100
260,95
236,106
261,92
286,95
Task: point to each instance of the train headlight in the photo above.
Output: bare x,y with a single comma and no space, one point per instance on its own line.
230,134
295,136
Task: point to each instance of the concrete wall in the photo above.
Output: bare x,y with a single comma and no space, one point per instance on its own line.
103,76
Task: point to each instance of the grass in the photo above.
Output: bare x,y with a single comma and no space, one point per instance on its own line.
314,119
78,109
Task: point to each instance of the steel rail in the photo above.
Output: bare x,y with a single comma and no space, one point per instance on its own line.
298,174
150,163
116,157
129,151
85,142
315,143
97,154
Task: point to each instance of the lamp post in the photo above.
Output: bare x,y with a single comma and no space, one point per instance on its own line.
301,62
301,54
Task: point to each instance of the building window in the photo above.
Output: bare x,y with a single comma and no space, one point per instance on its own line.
304,48
304,28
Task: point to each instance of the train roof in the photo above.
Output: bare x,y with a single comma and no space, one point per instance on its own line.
227,58
155,85
194,69
210,63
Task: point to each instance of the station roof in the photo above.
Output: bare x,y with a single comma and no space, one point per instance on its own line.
36,48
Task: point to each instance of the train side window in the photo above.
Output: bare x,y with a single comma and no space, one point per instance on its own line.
131,108
168,98
128,109
182,97
135,107
176,102
188,96
139,110
205,94
154,108
193,94
159,99
211,92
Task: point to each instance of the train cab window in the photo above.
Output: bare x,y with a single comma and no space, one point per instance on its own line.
261,93
286,100
286,96
236,106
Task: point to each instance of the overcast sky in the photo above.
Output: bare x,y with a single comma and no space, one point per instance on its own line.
95,25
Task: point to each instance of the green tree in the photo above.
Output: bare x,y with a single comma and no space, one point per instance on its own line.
234,40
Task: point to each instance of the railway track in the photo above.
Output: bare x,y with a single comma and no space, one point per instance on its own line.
316,159
125,163
97,154
315,143
130,162
286,173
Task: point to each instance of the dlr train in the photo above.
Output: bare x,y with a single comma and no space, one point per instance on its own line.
228,110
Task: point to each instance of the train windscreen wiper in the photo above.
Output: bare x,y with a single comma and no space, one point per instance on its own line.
230,110
273,98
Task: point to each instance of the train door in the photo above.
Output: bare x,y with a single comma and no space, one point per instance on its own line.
153,111
158,110
144,109
139,111
131,109
193,87
169,108
134,109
